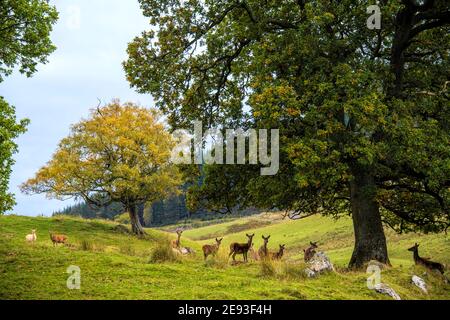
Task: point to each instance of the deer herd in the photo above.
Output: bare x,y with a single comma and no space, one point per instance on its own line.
245,247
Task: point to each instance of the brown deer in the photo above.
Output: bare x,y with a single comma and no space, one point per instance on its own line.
176,243
58,238
211,249
310,252
278,255
425,262
241,248
263,252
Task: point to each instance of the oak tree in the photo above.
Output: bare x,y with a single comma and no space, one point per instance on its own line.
363,113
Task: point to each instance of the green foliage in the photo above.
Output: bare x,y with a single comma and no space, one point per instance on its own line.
25,27
10,129
346,99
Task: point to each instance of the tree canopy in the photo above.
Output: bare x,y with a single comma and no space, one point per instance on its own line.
120,154
363,113
25,27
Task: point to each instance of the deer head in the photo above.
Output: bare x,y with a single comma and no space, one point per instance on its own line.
266,239
219,241
250,237
414,247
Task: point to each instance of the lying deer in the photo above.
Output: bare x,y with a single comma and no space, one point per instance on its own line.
310,252
211,249
425,262
241,248
58,238
278,255
176,243
263,252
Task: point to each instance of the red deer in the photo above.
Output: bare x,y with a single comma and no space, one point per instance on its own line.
263,252
176,243
241,248
58,238
310,252
278,255
211,249
425,262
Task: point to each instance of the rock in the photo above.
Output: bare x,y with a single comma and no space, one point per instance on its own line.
420,283
319,263
385,289
310,273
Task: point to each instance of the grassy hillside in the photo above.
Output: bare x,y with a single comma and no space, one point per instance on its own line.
115,265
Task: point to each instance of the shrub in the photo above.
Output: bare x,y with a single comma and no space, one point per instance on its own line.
163,252
267,268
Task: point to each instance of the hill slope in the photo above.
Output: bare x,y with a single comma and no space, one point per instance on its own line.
115,265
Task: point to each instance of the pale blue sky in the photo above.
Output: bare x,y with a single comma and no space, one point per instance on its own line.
91,37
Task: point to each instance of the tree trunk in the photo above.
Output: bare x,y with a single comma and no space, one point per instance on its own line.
370,241
136,226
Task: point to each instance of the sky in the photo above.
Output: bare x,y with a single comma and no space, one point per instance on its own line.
91,39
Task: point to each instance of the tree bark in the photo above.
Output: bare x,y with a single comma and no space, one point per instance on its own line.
370,241
136,226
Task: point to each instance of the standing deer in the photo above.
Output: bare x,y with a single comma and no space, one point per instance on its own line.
278,255
58,238
211,249
425,262
176,243
241,248
310,252
31,237
263,251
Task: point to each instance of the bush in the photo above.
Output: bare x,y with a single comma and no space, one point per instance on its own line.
163,252
267,268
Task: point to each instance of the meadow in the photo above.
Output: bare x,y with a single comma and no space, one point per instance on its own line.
117,265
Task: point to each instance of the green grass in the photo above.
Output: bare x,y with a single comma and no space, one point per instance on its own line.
115,265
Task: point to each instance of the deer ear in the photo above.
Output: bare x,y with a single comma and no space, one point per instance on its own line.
268,237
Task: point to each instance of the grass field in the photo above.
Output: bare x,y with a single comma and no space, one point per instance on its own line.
115,265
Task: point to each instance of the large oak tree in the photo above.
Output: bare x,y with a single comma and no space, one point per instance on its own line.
120,154
363,113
